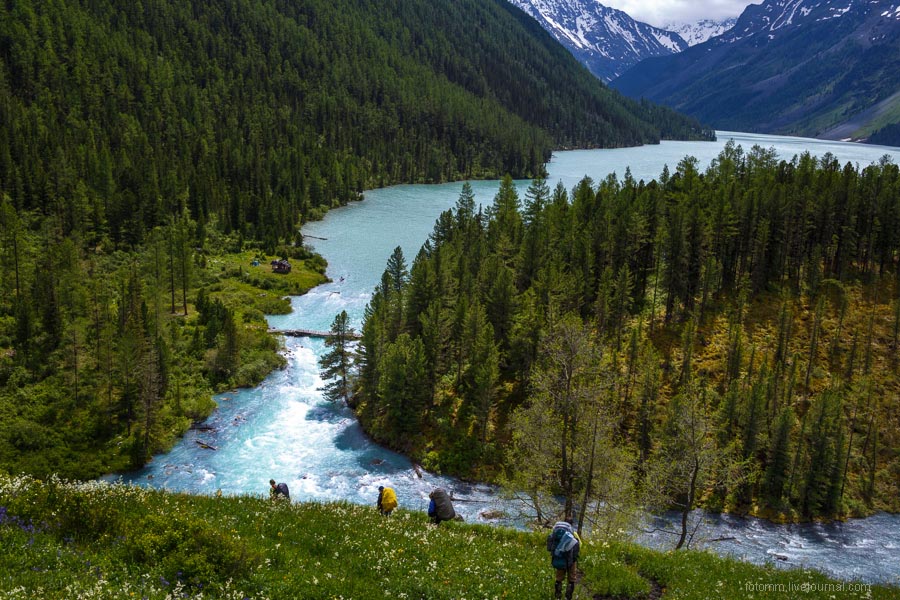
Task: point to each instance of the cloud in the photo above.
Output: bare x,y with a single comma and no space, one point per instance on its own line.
661,12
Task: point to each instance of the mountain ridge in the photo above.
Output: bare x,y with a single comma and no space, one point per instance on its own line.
606,40
788,67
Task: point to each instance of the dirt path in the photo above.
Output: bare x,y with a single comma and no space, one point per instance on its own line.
656,591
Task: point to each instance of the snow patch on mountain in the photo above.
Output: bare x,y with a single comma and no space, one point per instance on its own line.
774,15
700,31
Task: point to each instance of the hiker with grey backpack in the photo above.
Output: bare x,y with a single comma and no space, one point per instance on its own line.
564,545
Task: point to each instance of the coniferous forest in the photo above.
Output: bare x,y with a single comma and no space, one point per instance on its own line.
115,116
150,152
726,338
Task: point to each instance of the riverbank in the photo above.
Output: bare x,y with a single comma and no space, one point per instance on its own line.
111,541
248,286
115,389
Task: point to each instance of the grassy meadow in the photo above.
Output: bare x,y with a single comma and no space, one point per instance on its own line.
63,540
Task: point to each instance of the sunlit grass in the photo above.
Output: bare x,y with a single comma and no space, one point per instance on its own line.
249,273
65,540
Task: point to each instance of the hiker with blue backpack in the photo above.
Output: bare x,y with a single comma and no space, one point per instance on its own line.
278,491
564,545
440,508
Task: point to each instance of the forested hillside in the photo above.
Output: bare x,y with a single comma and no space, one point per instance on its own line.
107,356
727,337
142,142
886,136
114,115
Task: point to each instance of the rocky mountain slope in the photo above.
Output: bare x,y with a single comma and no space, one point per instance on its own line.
604,39
826,68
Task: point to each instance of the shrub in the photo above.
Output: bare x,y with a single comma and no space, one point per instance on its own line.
186,550
252,315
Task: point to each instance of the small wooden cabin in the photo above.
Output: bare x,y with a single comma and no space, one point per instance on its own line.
281,266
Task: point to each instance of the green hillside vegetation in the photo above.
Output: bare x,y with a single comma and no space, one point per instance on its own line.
107,356
726,338
141,142
889,135
879,120
115,116
93,540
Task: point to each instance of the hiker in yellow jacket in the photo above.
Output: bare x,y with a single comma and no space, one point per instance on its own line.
387,500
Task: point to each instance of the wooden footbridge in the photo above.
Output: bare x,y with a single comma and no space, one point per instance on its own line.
313,333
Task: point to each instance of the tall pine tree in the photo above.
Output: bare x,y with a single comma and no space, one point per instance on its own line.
336,363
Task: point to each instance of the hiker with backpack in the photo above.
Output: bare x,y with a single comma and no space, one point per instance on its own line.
564,546
441,507
278,491
387,500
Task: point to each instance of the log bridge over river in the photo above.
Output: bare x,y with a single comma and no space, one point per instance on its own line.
313,333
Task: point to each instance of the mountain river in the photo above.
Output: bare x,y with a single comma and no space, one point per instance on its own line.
283,429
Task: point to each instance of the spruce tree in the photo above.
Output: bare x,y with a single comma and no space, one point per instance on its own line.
778,458
336,363
403,389
482,375
228,353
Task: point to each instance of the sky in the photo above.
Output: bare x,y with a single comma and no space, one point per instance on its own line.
661,12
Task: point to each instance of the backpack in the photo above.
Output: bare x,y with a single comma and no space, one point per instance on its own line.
388,500
443,506
562,544
282,489
567,541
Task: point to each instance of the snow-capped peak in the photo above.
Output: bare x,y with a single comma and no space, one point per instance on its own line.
773,15
892,12
604,39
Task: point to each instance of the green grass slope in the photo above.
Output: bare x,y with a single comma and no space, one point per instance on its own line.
91,540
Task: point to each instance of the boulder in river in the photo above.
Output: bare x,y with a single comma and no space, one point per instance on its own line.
491,515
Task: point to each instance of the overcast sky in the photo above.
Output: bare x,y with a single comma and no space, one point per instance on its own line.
660,12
